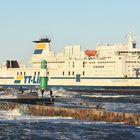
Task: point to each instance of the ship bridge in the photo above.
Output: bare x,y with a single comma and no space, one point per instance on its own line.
109,50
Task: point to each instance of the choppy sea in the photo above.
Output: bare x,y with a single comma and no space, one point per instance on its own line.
14,126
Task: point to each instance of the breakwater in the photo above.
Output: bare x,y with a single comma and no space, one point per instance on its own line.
75,113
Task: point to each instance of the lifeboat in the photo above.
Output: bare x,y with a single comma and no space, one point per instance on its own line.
90,52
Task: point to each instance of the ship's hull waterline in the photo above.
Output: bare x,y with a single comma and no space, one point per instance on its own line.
84,84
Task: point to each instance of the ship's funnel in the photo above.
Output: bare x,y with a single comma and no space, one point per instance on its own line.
42,45
42,49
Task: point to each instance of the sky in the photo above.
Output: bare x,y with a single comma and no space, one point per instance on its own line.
66,22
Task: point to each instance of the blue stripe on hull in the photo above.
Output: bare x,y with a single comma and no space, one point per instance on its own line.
62,78
19,85
122,78
71,86
86,78
90,87
6,77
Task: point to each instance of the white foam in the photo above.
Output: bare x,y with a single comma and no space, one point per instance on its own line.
10,114
138,127
56,92
8,96
15,115
108,96
63,93
1,92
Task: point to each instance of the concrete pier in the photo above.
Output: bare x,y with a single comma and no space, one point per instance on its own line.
29,100
75,113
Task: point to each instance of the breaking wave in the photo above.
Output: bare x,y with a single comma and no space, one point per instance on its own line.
108,96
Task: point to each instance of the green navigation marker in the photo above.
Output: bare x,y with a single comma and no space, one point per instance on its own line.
43,75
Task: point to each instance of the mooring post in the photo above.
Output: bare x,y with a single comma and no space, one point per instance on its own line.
43,76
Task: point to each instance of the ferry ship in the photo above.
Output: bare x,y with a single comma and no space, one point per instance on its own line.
108,66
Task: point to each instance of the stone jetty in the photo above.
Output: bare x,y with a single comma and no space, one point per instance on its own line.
75,113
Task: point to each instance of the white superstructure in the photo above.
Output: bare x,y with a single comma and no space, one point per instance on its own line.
109,66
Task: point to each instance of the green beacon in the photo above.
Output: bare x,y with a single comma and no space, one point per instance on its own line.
43,75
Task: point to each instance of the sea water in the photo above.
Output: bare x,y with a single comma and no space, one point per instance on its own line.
14,125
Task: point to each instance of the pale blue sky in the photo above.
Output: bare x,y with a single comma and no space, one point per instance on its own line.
83,22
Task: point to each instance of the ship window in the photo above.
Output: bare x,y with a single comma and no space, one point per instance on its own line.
69,73
83,73
17,73
20,73
78,78
73,64
73,73
83,64
134,45
63,73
